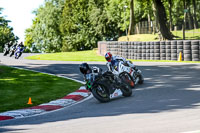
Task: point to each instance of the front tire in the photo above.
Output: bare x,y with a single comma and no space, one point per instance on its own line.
100,92
5,53
141,79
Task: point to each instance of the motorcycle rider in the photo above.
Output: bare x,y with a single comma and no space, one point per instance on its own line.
112,62
7,48
21,48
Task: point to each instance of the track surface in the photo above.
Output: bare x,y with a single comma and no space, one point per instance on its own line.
168,102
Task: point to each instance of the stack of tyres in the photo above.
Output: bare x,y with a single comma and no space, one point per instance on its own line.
180,48
115,48
112,48
135,51
156,50
143,50
162,50
199,49
120,49
187,50
108,47
168,50
139,50
125,49
151,50
129,50
195,50
173,50
132,50
147,50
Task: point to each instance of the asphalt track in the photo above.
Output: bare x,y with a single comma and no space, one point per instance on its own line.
168,102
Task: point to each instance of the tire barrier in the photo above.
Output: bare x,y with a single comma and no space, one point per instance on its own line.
143,50
162,50
147,50
168,50
195,50
156,50
151,50
132,50
139,50
173,50
129,50
187,51
159,50
135,51
125,50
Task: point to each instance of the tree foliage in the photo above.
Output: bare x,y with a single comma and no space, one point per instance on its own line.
70,25
6,32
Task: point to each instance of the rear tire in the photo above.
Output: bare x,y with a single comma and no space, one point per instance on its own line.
126,87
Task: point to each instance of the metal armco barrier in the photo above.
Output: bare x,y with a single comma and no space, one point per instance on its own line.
159,50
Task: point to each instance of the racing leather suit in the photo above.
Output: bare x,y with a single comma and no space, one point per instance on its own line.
115,60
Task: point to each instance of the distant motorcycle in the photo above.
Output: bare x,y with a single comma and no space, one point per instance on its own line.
12,50
19,52
106,86
6,50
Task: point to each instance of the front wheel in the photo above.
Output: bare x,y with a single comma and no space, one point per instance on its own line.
5,52
12,53
100,92
126,84
141,79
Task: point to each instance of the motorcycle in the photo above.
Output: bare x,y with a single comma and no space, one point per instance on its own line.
106,86
12,50
18,52
6,50
135,74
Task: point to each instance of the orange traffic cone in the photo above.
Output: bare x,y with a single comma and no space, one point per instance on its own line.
29,101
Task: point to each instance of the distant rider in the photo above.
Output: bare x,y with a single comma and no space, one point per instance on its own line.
112,62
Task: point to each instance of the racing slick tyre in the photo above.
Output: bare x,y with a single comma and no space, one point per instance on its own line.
12,53
5,52
127,84
141,79
100,92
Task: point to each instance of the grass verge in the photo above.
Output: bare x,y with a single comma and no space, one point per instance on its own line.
17,85
88,55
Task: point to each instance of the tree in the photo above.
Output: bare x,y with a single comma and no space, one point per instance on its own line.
132,21
162,19
195,14
6,32
44,33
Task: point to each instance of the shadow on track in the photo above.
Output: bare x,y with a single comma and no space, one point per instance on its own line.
166,88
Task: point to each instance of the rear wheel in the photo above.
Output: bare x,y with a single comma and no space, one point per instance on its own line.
100,92
126,84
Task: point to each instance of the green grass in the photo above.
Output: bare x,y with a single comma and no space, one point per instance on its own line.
89,55
189,34
17,85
